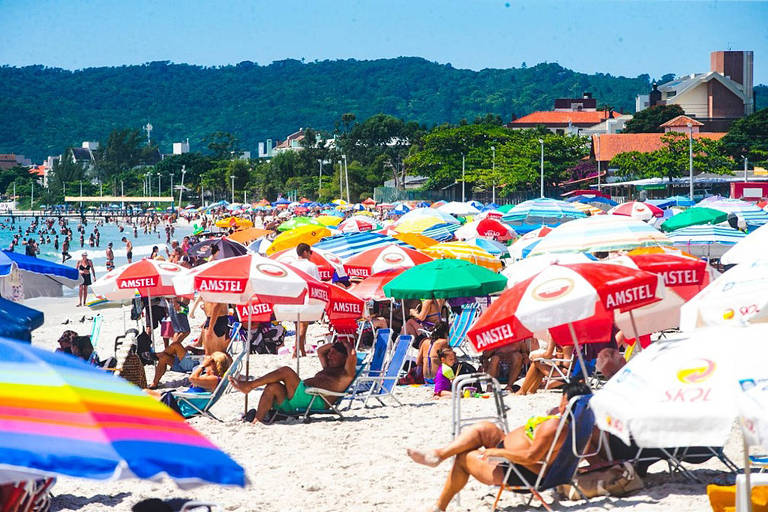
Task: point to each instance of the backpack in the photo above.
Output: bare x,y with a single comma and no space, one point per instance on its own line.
267,339
144,348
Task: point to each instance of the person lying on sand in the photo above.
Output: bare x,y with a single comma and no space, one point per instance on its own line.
525,446
286,391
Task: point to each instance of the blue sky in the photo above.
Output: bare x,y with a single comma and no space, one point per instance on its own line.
621,37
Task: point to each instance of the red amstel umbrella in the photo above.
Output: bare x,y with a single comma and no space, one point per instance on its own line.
343,305
151,278
637,210
372,288
357,224
383,258
684,276
495,230
562,296
327,262
254,311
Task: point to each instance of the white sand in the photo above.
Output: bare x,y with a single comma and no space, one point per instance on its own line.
328,465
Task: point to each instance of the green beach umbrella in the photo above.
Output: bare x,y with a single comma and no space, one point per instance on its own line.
694,216
445,279
298,222
505,208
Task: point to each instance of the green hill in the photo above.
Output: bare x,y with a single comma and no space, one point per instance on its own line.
46,109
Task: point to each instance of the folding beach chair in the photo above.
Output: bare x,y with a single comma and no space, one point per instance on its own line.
371,367
556,372
192,404
477,380
461,325
577,424
385,384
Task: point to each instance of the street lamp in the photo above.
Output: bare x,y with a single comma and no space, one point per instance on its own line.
746,159
346,174
341,179
320,185
690,161
493,173
541,141
232,179
173,201
181,189
463,197
159,189
81,194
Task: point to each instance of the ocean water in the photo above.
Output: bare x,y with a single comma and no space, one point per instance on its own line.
142,244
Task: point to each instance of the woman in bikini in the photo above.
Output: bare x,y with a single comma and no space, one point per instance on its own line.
428,361
425,317
85,267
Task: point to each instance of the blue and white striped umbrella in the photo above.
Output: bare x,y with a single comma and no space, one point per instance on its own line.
751,213
706,240
401,208
347,245
535,213
441,232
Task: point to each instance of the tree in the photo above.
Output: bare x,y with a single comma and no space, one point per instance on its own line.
123,150
748,136
223,145
650,119
672,159
64,172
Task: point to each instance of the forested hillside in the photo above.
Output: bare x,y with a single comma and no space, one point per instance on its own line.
44,110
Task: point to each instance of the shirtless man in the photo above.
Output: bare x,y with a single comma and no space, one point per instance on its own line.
216,328
128,250
110,257
512,355
284,390
525,446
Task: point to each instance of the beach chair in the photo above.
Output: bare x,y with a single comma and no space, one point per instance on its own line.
192,404
461,325
478,381
385,384
557,374
319,396
577,424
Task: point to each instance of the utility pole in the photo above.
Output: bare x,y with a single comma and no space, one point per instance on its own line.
746,159
463,182
493,173
541,141
122,196
341,179
32,198
81,194
181,189
690,161
232,179
598,162
346,175
320,185
173,201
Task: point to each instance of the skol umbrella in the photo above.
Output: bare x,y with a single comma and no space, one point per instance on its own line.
60,416
637,210
694,216
600,234
382,258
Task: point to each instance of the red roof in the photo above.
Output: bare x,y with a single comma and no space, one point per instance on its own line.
681,120
38,170
551,117
611,144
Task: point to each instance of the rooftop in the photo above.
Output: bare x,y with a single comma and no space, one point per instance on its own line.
607,146
681,121
575,118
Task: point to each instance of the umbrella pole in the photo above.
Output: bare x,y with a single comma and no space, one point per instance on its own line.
747,472
402,307
638,346
247,348
296,344
579,354
151,323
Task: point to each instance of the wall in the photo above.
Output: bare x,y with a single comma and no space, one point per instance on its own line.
722,102
694,101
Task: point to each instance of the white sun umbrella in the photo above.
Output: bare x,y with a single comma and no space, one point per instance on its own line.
602,233
418,213
519,271
706,241
738,296
522,247
458,208
749,248
681,392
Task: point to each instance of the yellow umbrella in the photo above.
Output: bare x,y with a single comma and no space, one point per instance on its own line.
340,202
417,240
248,235
239,222
418,225
464,251
587,208
329,220
364,212
308,234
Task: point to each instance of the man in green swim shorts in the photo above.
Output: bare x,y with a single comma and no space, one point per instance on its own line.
285,392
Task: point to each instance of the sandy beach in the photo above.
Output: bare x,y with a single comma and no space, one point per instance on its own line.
329,465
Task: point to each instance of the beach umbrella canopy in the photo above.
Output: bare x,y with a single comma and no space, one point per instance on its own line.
600,234
694,216
459,208
254,311
327,262
521,247
705,240
18,321
534,213
752,246
309,234
369,202
149,278
281,202
464,251
348,244
738,296
488,228
248,235
683,391
61,416
383,258
418,224
358,223
594,200
564,294
752,215
497,249
683,201
523,269
637,210
444,279
442,232
415,239
297,222
226,248
372,287
505,208
342,304
329,220
401,209
588,209
234,222
432,212
237,280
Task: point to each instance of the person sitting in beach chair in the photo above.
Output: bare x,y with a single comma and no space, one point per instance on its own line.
426,316
526,447
285,391
553,363
204,379
505,363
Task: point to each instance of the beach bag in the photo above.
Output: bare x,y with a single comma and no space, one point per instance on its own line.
617,480
133,371
136,309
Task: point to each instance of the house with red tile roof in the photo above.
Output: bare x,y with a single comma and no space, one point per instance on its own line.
570,116
605,146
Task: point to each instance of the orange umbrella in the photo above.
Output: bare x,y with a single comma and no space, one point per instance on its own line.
246,236
417,240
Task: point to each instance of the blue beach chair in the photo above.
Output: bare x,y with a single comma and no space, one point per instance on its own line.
192,404
385,384
461,325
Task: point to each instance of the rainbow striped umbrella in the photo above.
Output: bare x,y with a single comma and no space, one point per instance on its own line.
60,416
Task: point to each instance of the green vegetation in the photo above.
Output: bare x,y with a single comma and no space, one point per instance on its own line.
650,119
63,108
749,137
